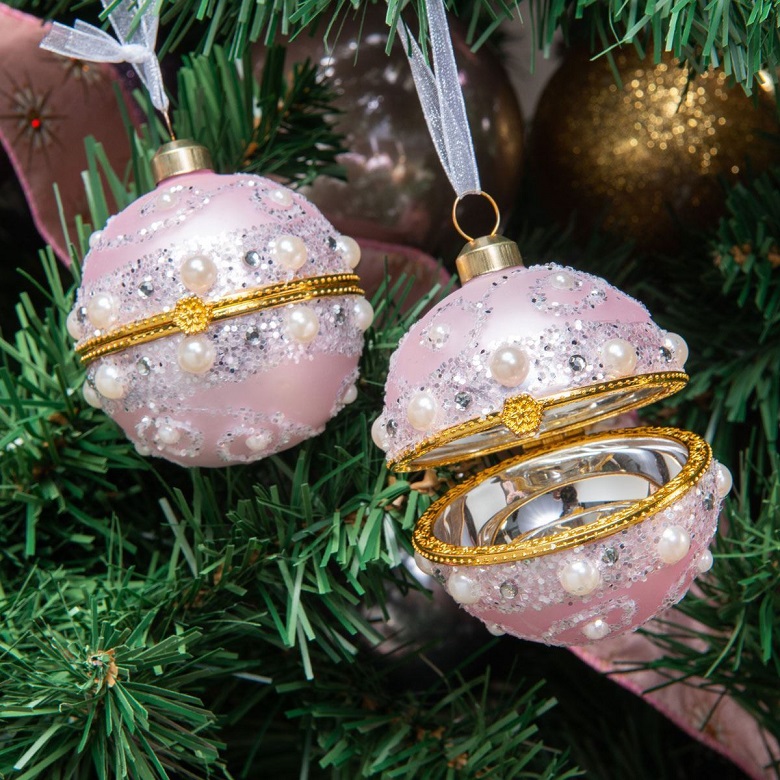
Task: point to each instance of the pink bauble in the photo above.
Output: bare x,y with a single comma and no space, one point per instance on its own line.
246,386
583,535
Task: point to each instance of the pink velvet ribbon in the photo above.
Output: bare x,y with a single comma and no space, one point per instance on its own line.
48,105
707,715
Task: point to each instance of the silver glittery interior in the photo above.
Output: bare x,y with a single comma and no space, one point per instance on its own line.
569,488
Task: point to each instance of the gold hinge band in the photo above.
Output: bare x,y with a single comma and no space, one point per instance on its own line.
193,315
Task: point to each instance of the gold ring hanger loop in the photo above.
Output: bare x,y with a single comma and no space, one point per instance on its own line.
455,213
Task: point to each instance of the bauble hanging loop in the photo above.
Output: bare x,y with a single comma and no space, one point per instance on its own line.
489,199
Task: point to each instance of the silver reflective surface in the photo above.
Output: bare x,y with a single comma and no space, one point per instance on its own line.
566,415
574,486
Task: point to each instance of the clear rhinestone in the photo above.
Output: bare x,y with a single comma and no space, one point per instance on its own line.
391,426
146,288
439,577
508,589
462,400
332,243
666,354
252,258
253,336
144,366
339,315
709,501
610,556
81,315
577,363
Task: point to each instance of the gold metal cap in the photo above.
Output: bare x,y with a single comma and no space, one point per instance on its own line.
486,254
177,157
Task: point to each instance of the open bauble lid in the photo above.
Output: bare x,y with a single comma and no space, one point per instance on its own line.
517,355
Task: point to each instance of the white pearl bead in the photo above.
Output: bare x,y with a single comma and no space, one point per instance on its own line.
73,325
351,395
704,562
101,310
596,629
142,449
421,411
508,365
198,273
495,629
364,314
94,238
281,197
463,588
289,251
379,434
676,344
579,577
166,200
302,324
423,564
90,396
167,434
349,249
563,280
674,544
196,354
619,356
257,442
723,480
438,335
109,382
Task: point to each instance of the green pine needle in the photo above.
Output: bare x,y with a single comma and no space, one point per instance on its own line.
741,37
88,690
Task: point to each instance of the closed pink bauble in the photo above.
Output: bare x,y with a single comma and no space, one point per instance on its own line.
580,534
219,317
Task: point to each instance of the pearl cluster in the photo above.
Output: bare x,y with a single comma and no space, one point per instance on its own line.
173,395
598,590
540,330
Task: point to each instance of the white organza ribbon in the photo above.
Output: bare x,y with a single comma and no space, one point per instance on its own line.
135,45
442,101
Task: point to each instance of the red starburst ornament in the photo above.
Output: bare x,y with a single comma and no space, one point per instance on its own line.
34,121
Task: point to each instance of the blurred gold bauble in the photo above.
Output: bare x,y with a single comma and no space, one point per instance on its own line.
643,158
396,190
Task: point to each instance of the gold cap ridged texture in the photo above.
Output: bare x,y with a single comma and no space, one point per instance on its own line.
486,254
177,157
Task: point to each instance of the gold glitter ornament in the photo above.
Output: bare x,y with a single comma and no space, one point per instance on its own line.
642,158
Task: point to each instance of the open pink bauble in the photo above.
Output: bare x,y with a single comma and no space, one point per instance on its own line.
579,535
219,316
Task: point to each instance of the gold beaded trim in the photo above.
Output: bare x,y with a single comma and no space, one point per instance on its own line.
193,315
523,416
432,548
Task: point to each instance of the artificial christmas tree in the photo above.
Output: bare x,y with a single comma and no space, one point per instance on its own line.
168,622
